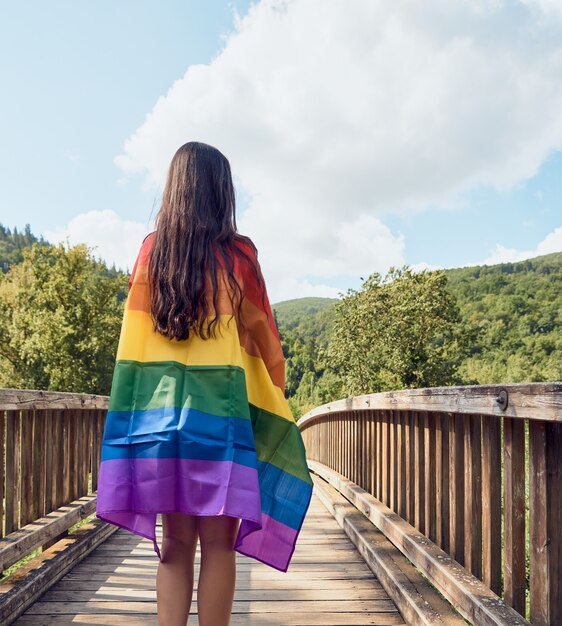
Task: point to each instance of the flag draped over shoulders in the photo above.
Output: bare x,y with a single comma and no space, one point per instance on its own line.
202,426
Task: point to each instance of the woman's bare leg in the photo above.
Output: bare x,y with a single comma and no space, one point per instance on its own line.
174,578
217,576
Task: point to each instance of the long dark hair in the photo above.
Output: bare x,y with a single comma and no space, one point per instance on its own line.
195,227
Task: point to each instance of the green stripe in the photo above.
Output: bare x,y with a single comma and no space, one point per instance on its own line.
279,442
219,390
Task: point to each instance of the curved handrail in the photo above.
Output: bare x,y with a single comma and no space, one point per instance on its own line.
524,401
462,465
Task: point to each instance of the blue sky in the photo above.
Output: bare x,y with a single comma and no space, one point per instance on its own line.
349,153
79,77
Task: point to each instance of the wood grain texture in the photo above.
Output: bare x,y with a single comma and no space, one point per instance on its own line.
542,401
491,502
466,593
430,475
545,441
473,494
14,399
39,532
456,488
328,583
514,514
30,581
417,600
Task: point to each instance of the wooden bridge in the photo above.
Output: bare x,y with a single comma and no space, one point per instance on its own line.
430,506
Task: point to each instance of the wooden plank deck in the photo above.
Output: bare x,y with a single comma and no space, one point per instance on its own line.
327,584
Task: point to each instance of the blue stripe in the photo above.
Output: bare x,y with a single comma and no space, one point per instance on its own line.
182,433
187,433
284,497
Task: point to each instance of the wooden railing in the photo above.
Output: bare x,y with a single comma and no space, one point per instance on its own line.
468,476
447,474
50,444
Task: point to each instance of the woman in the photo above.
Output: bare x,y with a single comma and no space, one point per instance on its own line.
198,428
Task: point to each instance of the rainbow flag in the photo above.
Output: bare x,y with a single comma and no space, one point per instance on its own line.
203,426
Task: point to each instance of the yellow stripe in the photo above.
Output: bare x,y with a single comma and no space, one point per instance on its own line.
138,342
261,390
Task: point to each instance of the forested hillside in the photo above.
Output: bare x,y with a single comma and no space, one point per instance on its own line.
291,312
304,326
13,243
60,313
518,307
512,313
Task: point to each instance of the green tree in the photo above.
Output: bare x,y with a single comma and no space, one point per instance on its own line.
60,318
400,331
12,244
510,331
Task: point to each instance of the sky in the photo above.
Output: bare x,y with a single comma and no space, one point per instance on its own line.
361,134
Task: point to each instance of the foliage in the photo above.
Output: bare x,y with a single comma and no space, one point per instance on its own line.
12,245
509,330
518,307
60,314
304,327
290,312
396,332
60,318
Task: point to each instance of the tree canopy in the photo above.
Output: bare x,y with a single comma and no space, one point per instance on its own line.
399,331
60,316
472,325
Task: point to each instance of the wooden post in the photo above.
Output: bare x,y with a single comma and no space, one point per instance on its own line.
514,514
456,487
2,477
430,474
491,502
545,447
48,460
26,509
378,442
392,459
442,480
419,504
37,459
473,494
385,458
401,463
410,468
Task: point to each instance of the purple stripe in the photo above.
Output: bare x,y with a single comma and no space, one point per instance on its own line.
132,491
192,486
273,544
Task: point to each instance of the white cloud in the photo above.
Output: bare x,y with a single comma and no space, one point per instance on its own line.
335,113
316,249
288,288
551,243
114,239
422,265
550,8
359,247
